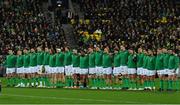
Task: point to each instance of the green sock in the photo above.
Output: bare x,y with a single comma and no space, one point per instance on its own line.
72,82
123,82
177,84
145,84
161,84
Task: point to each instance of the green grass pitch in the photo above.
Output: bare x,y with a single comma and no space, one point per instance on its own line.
83,96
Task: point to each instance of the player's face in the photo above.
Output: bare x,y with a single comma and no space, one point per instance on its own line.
139,50
32,50
66,49
58,50
10,52
97,49
50,51
19,52
46,50
25,51
122,48
115,51
164,50
158,51
106,50
39,49
131,51
145,52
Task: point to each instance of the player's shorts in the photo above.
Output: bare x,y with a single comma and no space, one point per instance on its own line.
19,70
107,71
171,72
92,70
59,69
10,70
33,69
99,70
76,70
177,71
46,68
83,71
131,71
140,71
151,72
69,70
145,71
161,72
25,70
52,70
123,70
117,70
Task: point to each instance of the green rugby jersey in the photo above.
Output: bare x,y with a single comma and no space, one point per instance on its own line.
151,63
116,60
84,61
92,60
46,58
159,62
52,60
40,56
107,60
173,62
124,57
59,59
33,59
76,60
19,62
98,58
26,60
140,60
131,63
11,61
67,58
145,61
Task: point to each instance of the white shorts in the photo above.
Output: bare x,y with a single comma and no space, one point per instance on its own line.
145,71
76,70
25,69
59,69
99,70
151,72
161,72
140,71
117,70
177,71
68,70
20,70
107,70
46,68
33,69
83,71
123,70
39,68
171,72
92,70
10,70
51,70
131,71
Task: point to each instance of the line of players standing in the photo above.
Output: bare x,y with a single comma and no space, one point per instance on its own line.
120,66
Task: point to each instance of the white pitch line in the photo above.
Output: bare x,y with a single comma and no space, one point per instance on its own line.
61,98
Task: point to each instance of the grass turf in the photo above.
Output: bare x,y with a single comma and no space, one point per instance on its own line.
77,96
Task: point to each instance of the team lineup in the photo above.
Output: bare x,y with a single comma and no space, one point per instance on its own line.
94,68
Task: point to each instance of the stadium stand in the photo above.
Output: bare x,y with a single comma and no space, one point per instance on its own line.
147,23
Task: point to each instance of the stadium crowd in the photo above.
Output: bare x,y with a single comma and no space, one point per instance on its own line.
25,25
147,23
123,44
